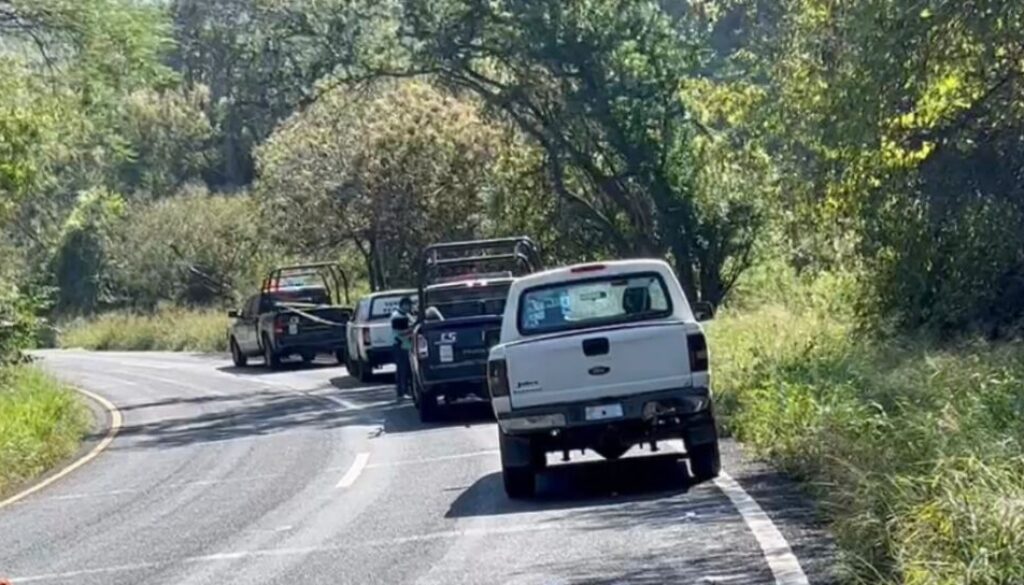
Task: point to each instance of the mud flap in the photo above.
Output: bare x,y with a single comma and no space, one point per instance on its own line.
515,451
701,431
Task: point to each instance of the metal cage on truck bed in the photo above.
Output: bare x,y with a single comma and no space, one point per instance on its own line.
334,279
477,259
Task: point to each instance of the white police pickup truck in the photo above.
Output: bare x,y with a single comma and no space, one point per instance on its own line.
602,357
370,339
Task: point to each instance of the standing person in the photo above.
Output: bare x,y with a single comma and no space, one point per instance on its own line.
401,329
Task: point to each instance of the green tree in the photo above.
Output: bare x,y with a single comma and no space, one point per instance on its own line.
382,171
898,123
192,249
262,59
597,83
169,139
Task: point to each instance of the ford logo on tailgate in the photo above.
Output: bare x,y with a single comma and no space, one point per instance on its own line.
599,370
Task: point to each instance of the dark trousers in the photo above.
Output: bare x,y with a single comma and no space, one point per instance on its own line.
401,370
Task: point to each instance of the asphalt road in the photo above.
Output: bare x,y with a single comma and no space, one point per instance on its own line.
237,476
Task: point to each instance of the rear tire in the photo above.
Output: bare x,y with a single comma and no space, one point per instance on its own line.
240,360
427,406
365,372
342,357
705,461
520,482
270,357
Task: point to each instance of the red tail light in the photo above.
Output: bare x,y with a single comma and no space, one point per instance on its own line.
366,337
280,325
497,378
698,348
422,347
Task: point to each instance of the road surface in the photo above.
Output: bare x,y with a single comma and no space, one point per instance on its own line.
236,476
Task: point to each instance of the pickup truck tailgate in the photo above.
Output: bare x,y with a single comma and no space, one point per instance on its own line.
381,334
598,363
458,348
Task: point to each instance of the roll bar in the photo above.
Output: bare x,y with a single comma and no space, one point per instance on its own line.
334,278
520,252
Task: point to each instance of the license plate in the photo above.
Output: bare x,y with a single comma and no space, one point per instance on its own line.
604,411
446,354
293,326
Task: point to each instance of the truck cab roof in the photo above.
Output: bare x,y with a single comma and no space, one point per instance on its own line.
391,293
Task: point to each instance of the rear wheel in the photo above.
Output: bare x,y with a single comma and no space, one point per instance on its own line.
342,356
426,404
270,357
705,461
240,360
519,482
364,371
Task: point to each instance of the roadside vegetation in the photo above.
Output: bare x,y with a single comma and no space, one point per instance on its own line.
842,178
913,446
41,423
172,329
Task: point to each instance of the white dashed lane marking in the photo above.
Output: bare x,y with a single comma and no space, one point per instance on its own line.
355,471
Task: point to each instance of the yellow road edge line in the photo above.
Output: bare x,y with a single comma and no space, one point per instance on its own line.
116,420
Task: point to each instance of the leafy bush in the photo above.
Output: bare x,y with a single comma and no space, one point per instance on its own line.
915,450
194,249
169,330
41,422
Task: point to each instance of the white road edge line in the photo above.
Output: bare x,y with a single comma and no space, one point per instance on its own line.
353,472
116,420
783,563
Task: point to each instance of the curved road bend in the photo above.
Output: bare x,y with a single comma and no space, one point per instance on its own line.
226,476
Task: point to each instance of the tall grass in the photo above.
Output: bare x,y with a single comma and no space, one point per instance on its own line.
168,329
41,422
914,448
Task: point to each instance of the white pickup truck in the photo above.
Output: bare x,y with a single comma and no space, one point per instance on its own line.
604,357
370,339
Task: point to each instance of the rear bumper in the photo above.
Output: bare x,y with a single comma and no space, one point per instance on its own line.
674,413
456,380
458,387
380,356
320,342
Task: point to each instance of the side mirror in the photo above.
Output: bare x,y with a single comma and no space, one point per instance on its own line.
703,311
233,314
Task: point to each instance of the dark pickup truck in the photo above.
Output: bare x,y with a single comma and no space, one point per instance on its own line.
298,311
462,290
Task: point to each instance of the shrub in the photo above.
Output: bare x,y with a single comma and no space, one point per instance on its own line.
168,330
196,249
41,422
914,449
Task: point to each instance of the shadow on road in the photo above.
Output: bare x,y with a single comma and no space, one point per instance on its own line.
350,383
572,485
259,369
237,417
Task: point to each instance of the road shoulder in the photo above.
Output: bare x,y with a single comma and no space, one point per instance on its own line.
794,512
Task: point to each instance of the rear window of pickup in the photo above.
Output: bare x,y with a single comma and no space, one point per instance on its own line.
594,302
469,301
383,307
